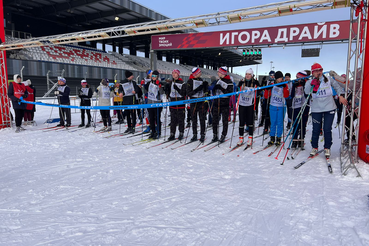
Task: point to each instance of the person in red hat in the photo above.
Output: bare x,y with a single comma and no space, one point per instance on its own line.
196,88
322,106
176,91
221,105
299,97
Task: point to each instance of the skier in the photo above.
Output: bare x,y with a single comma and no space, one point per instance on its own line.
221,106
176,92
85,94
265,117
247,105
298,99
16,92
287,77
276,109
29,113
130,92
118,101
155,91
63,93
105,94
322,106
196,88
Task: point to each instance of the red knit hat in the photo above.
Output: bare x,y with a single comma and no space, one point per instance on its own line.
196,71
301,74
223,70
176,71
316,67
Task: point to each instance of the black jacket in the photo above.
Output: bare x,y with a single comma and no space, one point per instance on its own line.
189,87
63,97
15,99
224,101
130,100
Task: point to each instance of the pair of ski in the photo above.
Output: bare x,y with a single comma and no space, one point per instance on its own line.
56,128
172,142
123,134
210,145
329,166
294,153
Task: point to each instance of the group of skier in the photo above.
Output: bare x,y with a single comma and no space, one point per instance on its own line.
304,95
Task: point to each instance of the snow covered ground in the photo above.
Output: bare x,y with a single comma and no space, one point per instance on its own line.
80,188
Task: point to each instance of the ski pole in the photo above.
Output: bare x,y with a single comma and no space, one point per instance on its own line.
234,123
297,118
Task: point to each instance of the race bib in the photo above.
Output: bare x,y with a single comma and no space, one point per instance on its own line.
61,88
128,89
223,84
277,99
85,91
299,97
174,92
246,98
197,83
105,92
153,92
325,90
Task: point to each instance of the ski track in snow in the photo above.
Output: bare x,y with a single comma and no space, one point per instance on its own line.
79,188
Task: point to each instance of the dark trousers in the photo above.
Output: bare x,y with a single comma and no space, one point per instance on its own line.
327,128
131,117
289,109
19,113
28,115
246,116
265,116
301,124
339,110
86,111
119,111
200,109
65,115
177,117
155,122
217,112
105,115
189,114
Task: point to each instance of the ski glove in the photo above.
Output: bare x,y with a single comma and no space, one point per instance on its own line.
315,83
56,92
20,100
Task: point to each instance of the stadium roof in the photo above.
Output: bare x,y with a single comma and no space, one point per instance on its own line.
65,16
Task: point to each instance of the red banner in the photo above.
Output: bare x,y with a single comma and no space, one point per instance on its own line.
313,32
4,99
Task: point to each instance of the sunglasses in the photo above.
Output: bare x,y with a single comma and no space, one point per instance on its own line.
154,76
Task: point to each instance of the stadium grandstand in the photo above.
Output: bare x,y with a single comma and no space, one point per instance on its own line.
95,60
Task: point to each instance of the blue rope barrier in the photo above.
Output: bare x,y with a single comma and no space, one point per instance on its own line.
159,105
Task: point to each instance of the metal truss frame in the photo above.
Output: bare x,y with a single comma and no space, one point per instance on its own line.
354,74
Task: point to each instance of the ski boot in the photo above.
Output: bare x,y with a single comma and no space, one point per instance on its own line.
128,130
180,137
82,125
314,151
215,138
222,138
249,141
278,142
327,153
240,141
202,138
194,138
147,130
272,141
171,137
133,130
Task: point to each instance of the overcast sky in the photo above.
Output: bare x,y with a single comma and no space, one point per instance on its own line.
332,57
